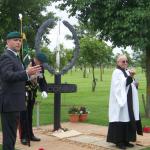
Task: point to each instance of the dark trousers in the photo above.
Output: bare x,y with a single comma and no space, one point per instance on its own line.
9,128
26,121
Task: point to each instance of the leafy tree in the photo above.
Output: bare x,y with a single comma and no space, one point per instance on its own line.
94,52
139,59
124,22
32,18
82,31
89,51
83,64
105,57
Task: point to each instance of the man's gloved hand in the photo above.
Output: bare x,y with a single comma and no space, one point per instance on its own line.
44,94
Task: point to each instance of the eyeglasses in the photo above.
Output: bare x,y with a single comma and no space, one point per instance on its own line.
124,61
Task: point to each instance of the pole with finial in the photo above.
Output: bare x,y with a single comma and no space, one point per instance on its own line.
21,51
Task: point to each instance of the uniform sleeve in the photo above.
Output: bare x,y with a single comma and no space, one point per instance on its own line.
42,82
9,72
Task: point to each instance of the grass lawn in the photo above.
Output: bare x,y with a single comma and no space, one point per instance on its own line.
96,102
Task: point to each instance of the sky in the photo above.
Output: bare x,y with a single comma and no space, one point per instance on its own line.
59,37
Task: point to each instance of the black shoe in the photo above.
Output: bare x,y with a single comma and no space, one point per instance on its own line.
24,141
34,138
129,144
121,146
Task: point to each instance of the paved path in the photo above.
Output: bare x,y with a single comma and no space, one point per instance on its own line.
80,136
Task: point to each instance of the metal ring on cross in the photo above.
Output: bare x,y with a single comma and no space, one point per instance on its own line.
38,38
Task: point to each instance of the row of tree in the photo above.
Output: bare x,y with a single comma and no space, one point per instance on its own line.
123,22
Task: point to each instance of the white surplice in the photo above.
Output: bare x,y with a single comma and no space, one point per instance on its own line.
118,107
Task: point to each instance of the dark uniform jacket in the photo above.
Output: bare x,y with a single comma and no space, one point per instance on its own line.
13,78
33,86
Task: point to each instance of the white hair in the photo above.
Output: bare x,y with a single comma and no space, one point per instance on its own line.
121,56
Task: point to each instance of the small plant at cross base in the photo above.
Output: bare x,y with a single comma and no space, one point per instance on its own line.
83,110
74,114
73,110
83,113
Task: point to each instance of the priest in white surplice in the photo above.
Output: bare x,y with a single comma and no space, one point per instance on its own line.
124,117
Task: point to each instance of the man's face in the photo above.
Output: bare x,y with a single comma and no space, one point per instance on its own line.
123,62
14,44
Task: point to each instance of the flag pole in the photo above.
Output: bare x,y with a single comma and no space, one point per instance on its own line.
21,51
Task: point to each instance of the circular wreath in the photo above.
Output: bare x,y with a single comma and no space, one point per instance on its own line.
38,38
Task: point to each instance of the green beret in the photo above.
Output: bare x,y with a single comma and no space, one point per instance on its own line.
41,57
12,35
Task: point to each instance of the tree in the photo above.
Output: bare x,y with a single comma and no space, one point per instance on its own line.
94,52
32,18
105,57
89,51
124,22
139,59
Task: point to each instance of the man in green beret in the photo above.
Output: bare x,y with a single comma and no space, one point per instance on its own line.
12,35
13,77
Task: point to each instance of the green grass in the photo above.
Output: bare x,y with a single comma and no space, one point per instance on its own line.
148,148
96,102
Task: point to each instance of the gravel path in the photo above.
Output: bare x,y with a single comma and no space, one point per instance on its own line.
80,136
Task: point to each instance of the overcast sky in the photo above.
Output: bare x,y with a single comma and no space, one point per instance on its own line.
59,37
